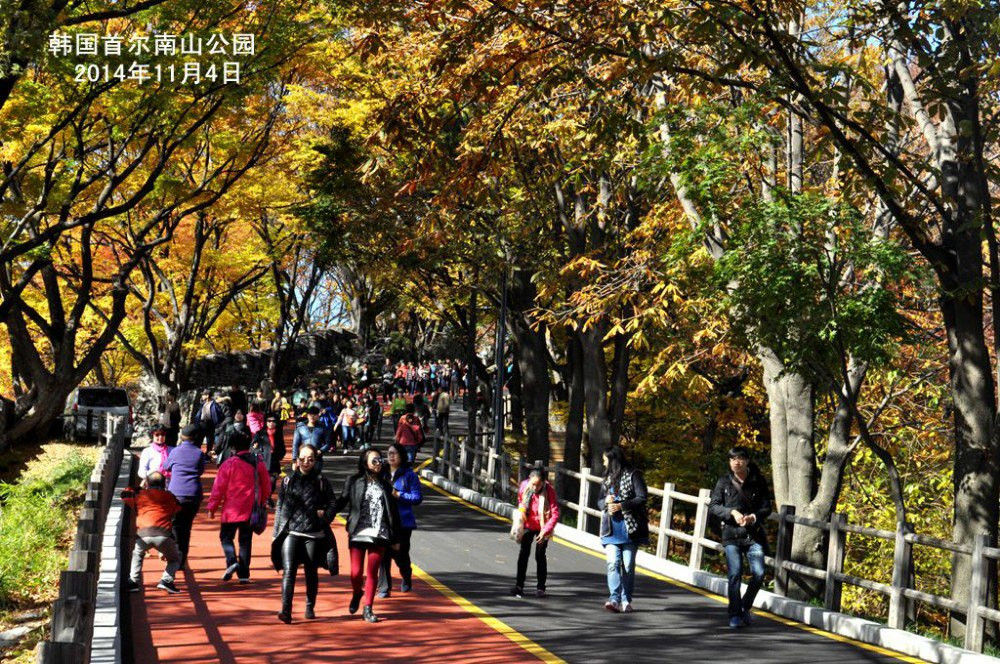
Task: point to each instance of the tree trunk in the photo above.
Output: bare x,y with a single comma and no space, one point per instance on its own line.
976,451
532,361
595,391
574,415
515,389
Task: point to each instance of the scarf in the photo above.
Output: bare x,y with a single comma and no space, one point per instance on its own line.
626,491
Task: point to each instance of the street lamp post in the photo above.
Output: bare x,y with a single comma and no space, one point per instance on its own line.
501,339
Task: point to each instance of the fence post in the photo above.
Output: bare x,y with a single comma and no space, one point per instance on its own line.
783,549
978,594
463,458
452,455
477,469
835,562
581,516
900,573
666,520
700,528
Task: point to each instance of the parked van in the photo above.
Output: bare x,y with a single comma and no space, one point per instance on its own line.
87,407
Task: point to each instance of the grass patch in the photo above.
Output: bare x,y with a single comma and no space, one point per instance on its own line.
38,515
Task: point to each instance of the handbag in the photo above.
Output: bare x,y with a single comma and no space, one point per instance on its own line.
517,526
258,513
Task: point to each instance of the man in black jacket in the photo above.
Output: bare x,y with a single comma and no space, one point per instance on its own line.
741,500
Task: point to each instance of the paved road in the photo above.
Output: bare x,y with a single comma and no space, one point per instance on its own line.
469,552
459,611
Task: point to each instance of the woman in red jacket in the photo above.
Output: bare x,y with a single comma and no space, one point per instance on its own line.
242,478
539,514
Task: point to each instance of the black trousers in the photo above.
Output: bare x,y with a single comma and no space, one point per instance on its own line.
297,551
541,563
227,532
402,560
183,521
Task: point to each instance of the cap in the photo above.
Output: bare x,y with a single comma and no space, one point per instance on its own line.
312,410
190,431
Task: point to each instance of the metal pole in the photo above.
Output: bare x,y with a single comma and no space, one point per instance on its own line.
500,365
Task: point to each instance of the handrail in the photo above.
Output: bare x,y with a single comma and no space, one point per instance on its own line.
73,613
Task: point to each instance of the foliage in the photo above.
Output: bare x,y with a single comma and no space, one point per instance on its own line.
36,520
808,279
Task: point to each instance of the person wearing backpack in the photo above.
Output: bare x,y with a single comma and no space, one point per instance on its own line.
302,534
538,514
410,433
624,525
741,500
241,483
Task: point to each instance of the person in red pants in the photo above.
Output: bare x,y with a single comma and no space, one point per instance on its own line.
373,525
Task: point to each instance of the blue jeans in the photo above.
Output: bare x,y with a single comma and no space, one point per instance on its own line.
734,561
347,435
621,571
411,453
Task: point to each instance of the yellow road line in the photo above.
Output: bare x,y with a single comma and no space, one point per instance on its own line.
489,620
495,623
704,593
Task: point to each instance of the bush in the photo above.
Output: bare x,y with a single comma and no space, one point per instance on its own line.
36,523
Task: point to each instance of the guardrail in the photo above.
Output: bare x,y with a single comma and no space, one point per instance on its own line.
72,622
477,466
899,591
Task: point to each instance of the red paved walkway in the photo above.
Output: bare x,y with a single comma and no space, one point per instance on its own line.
216,621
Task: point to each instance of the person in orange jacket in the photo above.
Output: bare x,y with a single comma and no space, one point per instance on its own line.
155,508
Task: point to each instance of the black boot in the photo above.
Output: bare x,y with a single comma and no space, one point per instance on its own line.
369,616
355,602
310,613
285,616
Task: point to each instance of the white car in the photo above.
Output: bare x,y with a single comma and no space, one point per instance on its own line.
87,407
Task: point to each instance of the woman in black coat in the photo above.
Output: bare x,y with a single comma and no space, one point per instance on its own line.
373,526
302,535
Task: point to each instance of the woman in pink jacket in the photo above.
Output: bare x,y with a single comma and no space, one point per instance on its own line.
241,478
539,514
255,418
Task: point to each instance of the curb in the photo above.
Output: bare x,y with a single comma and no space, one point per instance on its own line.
858,629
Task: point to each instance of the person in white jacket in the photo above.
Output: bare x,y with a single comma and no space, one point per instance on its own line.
154,457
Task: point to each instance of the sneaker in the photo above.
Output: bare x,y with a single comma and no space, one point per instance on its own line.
736,622
627,607
285,618
230,571
517,592
245,581
132,586
612,606
168,586
747,618
541,593
405,587
344,453
369,616
383,594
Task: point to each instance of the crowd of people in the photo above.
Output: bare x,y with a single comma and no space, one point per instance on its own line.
245,439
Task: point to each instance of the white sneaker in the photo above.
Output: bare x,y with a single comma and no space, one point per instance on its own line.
627,607
612,606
